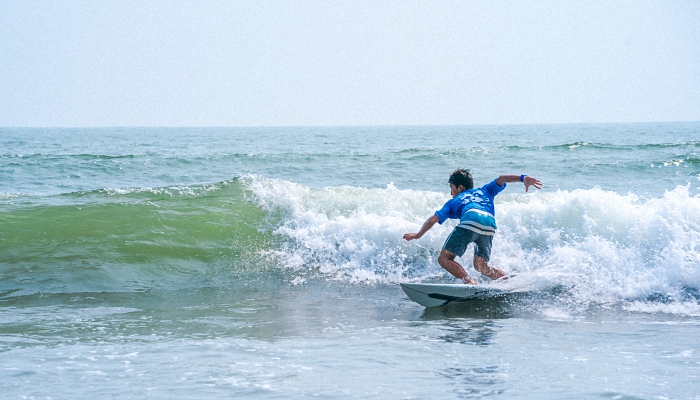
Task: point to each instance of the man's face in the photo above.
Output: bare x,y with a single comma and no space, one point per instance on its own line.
454,190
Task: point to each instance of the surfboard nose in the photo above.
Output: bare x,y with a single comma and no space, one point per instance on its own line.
435,295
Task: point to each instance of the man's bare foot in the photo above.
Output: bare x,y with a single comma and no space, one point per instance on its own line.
469,281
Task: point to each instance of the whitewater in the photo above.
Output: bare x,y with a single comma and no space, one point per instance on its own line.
265,262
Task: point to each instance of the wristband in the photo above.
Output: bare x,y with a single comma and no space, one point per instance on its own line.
522,177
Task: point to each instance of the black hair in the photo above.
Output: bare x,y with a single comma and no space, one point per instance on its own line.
462,177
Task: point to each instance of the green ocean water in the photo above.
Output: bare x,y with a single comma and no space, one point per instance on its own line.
265,262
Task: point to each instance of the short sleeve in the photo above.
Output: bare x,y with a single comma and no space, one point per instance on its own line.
493,188
445,212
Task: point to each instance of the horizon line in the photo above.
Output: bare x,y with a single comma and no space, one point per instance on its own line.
336,126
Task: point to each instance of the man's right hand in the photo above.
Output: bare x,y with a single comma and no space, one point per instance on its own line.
411,236
425,228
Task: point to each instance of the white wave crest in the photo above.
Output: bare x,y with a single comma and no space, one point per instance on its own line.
10,196
353,233
602,246
170,191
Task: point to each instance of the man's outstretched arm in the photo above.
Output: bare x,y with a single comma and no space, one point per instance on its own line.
425,228
527,180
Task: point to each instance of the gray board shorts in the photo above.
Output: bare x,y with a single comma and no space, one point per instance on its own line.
460,238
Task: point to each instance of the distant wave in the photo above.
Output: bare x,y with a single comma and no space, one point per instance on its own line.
79,156
570,146
597,145
409,151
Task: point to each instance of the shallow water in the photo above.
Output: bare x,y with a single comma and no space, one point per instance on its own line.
272,340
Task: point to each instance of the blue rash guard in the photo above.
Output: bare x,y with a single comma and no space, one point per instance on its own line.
474,209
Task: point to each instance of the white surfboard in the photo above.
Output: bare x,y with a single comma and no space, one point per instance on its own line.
441,294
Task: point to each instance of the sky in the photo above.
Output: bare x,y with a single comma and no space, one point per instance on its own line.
347,63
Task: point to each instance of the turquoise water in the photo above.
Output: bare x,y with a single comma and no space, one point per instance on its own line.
265,262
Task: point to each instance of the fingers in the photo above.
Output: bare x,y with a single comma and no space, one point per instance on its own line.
529,181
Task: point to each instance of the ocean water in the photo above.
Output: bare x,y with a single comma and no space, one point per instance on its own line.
265,263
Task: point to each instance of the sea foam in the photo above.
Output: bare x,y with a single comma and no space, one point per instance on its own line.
602,247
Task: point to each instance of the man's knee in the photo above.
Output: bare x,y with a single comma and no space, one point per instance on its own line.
446,255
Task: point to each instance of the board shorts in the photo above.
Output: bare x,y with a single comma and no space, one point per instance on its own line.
460,238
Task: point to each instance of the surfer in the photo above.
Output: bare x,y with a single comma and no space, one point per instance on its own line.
475,210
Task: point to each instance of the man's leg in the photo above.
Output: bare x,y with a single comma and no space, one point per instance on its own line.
482,266
446,259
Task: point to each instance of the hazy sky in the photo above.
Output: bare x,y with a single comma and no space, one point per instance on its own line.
266,63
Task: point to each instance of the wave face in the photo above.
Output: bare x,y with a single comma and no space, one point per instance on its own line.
130,239
595,248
